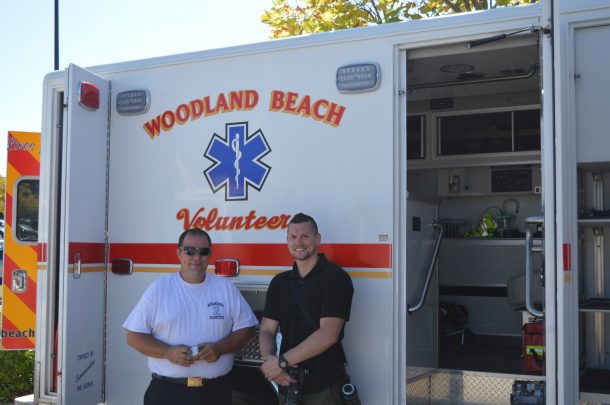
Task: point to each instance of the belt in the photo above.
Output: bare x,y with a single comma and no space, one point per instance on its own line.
188,381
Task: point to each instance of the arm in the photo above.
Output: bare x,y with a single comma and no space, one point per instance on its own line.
266,337
266,342
149,346
316,343
234,341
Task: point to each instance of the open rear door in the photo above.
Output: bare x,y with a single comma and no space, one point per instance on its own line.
82,239
20,234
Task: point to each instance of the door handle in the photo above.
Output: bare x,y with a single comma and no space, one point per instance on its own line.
77,265
426,287
529,250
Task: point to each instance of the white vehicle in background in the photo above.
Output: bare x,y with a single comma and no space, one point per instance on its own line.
380,133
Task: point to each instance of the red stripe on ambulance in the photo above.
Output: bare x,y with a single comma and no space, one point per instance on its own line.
259,254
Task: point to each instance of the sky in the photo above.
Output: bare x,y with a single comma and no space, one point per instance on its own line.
99,32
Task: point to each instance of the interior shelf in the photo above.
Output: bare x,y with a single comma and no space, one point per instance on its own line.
489,241
595,305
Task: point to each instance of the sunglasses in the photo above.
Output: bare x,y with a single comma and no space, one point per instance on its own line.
190,251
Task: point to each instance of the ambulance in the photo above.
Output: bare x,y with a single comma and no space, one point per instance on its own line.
458,168
20,241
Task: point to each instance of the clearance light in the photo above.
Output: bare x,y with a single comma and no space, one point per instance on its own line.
122,266
227,267
88,96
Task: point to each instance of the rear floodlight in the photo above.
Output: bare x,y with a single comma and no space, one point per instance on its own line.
133,102
88,96
227,267
358,78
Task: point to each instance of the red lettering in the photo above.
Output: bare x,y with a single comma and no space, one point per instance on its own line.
236,100
207,108
213,222
304,107
221,103
285,219
251,99
236,223
317,115
260,222
212,215
222,224
291,100
250,218
168,120
277,100
184,214
183,113
334,114
196,109
153,127
273,222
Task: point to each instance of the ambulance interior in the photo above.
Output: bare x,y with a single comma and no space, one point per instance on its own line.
473,149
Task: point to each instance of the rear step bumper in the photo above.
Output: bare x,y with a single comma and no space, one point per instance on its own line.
443,387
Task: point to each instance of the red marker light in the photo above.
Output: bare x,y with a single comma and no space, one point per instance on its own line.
88,95
227,267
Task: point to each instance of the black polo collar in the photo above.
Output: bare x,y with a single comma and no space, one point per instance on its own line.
316,269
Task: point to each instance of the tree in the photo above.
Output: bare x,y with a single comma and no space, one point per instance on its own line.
309,16
438,7
2,194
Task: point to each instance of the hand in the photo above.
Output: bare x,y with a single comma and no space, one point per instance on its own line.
180,354
270,368
272,372
209,352
284,379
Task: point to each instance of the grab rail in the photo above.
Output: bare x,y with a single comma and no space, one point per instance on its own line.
424,293
529,249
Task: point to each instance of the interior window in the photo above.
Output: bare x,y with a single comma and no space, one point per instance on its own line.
26,224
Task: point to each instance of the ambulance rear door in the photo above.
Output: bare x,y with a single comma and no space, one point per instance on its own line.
82,238
20,237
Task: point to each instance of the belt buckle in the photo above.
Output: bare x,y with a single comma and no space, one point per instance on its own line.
194,382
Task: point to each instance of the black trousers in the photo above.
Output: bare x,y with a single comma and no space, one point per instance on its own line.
215,392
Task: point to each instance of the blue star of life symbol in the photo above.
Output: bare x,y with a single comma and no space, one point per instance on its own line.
237,161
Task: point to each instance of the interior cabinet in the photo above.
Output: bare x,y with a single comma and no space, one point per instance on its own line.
594,284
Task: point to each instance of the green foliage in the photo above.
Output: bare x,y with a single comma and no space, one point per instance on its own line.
2,193
28,200
430,8
16,374
288,18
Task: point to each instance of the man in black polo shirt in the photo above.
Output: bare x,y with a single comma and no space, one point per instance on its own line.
311,335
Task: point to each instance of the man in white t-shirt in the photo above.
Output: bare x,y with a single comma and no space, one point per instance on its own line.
189,324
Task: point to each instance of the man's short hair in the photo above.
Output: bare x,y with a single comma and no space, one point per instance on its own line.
300,218
194,232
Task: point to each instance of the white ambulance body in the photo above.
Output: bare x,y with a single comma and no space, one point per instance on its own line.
376,132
